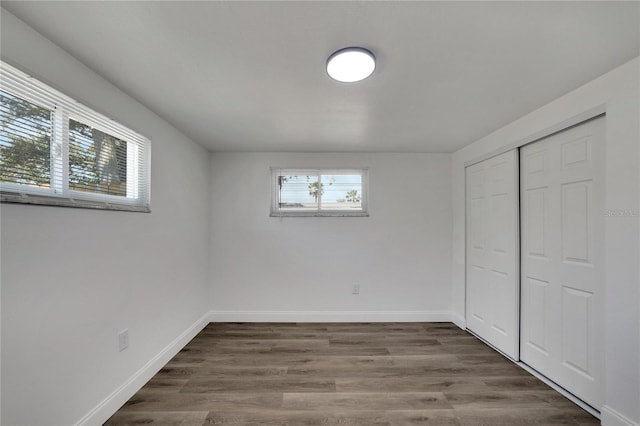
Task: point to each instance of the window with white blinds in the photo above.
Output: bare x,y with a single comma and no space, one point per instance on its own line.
56,151
319,192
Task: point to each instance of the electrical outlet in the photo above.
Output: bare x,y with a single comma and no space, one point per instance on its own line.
123,340
355,289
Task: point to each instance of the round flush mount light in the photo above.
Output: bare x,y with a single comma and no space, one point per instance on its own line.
351,64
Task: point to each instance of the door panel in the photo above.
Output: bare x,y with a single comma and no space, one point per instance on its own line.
492,251
576,207
561,188
576,311
535,297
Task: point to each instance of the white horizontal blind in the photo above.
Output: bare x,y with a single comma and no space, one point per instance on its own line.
319,192
91,161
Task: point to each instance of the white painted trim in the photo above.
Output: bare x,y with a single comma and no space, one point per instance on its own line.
556,128
610,417
330,316
107,407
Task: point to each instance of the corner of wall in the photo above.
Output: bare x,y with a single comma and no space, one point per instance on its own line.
107,407
459,320
210,230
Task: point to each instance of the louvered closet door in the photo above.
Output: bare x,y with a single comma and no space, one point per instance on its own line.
492,251
561,271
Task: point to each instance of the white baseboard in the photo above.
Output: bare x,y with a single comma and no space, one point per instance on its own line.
105,409
459,320
330,316
610,417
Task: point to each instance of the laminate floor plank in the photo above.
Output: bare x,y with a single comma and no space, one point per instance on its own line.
515,383
453,370
387,342
496,399
270,343
259,384
317,358
160,402
164,384
160,418
296,374
524,417
410,384
296,418
346,350
221,371
365,401
338,418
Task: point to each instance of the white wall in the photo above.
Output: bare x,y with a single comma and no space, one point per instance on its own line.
73,278
618,92
265,268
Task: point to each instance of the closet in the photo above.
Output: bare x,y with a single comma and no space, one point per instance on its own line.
556,290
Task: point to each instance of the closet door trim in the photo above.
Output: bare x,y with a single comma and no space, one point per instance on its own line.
563,125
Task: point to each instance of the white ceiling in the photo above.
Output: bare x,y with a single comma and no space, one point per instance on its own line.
250,76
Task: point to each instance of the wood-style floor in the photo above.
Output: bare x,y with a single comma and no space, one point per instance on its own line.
344,374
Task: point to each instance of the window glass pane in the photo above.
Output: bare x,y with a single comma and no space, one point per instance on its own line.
97,161
25,139
298,193
341,192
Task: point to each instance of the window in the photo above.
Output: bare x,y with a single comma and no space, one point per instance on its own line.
319,192
55,151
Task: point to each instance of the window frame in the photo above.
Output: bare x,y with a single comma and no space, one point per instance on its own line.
276,211
64,109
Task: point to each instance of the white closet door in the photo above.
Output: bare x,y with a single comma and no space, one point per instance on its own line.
492,251
562,234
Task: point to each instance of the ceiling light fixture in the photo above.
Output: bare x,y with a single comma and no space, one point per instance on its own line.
351,64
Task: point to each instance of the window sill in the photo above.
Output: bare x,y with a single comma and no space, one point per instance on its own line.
43,200
320,214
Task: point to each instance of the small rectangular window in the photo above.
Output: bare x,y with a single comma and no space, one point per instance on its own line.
25,142
319,192
97,161
56,151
